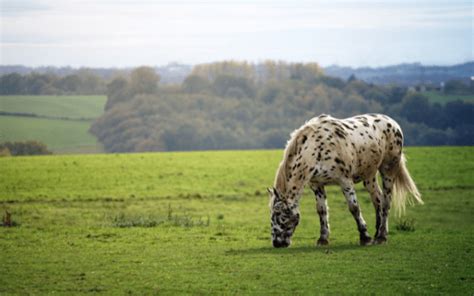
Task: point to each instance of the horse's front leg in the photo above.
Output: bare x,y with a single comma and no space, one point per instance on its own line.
322,209
349,193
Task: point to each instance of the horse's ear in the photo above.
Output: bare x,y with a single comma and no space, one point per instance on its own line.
276,193
270,191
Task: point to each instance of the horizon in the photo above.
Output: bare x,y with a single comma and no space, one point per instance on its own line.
103,34
255,63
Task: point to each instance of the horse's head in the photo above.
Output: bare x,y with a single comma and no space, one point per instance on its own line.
285,217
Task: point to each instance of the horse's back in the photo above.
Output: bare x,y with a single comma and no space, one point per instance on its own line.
358,146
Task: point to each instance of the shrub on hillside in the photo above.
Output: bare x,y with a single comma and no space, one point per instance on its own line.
4,152
24,148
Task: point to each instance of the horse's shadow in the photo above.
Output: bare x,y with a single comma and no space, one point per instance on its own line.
298,250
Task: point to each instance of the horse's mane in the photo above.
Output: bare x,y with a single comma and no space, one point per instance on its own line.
290,152
281,176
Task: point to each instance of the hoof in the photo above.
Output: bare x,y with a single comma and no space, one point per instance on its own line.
322,242
380,240
365,241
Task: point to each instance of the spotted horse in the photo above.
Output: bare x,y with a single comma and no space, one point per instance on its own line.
326,151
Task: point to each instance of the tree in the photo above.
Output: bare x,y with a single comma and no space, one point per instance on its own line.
144,80
11,84
308,72
69,84
351,78
224,83
416,108
117,91
459,113
195,84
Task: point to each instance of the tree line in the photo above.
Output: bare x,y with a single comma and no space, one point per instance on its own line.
83,82
237,105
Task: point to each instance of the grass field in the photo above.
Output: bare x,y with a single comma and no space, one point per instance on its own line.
59,134
198,223
437,97
75,107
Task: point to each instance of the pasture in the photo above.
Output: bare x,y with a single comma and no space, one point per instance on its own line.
198,223
438,97
61,122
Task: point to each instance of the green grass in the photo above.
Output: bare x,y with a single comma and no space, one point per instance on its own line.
55,106
437,97
61,136
198,223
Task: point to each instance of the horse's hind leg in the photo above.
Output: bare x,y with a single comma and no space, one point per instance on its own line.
322,209
387,186
376,195
349,193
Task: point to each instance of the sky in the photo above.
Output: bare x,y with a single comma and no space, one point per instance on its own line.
127,33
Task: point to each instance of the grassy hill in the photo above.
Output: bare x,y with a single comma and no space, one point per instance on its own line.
198,223
61,122
437,97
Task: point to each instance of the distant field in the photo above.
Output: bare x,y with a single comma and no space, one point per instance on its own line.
198,223
437,97
59,134
55,106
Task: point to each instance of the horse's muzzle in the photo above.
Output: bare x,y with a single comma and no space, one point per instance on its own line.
280,244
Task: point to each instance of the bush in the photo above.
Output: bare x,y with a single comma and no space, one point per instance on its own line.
405,225
24,148
4,152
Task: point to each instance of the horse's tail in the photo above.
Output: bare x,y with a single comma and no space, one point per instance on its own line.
403,187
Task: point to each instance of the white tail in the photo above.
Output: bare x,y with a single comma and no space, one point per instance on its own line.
404,186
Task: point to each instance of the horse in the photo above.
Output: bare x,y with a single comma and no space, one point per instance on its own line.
330,151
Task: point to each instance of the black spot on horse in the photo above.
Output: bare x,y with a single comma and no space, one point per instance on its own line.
398,134
341,134
304,139
346,126
338,161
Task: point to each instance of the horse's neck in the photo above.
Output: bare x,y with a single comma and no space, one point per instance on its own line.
293,186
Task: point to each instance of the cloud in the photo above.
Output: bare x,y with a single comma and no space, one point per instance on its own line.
193,30
21,7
